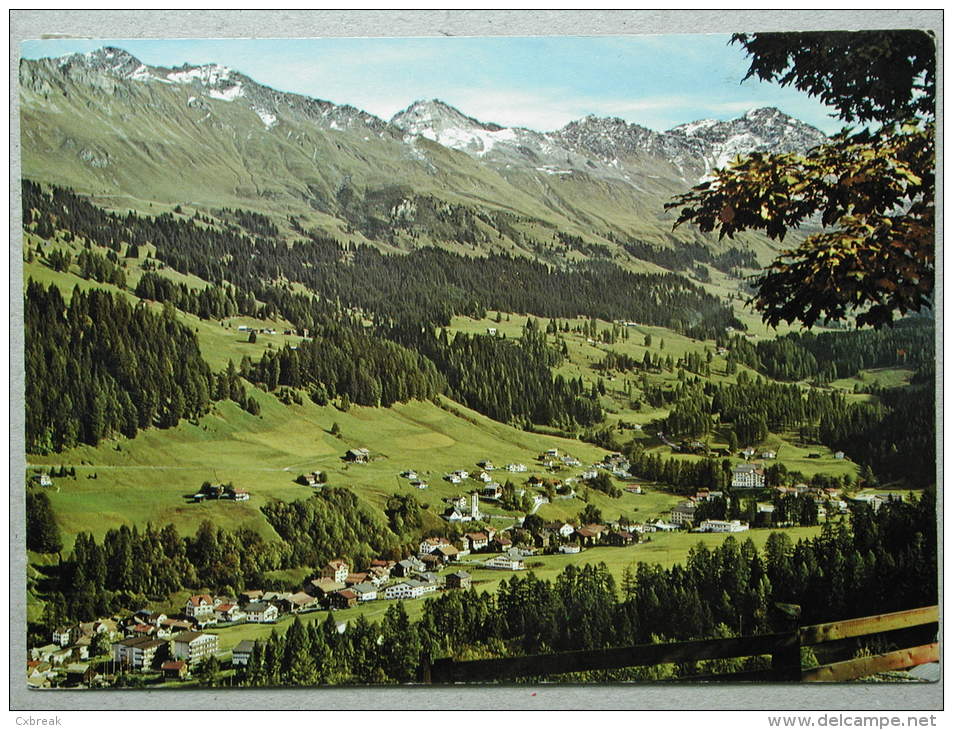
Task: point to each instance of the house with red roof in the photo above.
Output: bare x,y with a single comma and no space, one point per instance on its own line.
337,570
201,607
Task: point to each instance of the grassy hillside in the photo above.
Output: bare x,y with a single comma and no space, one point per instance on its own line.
585,352
149,478
338,171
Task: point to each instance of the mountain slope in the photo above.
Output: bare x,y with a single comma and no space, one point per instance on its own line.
207,136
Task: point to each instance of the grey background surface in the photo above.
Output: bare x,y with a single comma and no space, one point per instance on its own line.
116,24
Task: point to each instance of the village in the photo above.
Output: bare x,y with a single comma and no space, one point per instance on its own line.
169,647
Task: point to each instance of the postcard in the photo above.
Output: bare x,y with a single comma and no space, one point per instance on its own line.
479,361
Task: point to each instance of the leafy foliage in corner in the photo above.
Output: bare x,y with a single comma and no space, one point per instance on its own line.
867,75
873,191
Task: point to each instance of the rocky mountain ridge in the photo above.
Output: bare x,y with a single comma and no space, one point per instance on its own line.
699,145
105,123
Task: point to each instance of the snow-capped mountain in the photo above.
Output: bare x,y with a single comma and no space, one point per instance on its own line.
445,125
105,67
612,143
760,130
106,123
601,144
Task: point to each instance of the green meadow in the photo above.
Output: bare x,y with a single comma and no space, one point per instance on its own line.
149,478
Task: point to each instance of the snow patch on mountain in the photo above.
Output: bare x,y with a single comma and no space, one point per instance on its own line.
229,93
692,127
267,118
211,75
478,142
441,123
760,130
144,73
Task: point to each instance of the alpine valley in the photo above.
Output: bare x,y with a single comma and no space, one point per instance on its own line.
290,367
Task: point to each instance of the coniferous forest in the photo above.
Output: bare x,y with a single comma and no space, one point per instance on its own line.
100,366
427,286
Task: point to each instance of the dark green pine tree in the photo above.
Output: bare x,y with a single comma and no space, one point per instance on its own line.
298,663
42,532
400,646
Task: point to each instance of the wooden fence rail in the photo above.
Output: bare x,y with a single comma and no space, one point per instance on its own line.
900,658
783,648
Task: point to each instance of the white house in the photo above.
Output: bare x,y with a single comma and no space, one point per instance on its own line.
227,612
201,608
874,500
492,491
336,570
402,591
427,583
723,526
477,540
242,652
505,562
407,566
365,592
570,549
136,653
564,529
61,636
684,514
747,476
194,646
454,515
428,545
261,613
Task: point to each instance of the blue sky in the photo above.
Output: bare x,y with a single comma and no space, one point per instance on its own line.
538,82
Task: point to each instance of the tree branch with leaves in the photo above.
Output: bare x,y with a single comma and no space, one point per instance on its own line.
871,193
